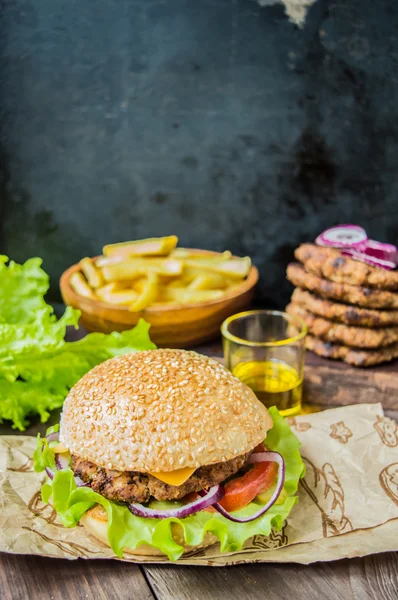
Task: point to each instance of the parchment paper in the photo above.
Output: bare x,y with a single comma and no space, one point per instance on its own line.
348,501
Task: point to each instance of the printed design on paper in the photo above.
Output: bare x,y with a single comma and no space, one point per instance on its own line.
387,430
27,467
340,432
44,511
74,550
273,541
276,539
298,425
389,481
195,552
324,488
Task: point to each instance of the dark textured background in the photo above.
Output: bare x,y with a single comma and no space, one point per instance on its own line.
216,120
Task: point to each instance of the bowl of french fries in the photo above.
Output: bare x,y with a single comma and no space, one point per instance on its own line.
184,293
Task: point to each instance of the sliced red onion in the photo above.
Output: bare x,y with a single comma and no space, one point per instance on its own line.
343,236
79,482
257,458
353,241
266,456
50,473
213,495
382,251
61,462
369,260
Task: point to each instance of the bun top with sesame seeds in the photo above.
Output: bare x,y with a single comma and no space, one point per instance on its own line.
161,410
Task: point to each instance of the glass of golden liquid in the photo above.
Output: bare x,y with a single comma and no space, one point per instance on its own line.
265,349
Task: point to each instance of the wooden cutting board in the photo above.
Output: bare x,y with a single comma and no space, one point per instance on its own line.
330,383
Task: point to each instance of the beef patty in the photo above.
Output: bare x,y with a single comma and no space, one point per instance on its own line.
342,292
359,337
132,486
330,263
344,313
352,356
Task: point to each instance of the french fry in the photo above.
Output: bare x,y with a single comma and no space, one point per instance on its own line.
114,286
93,275
179,282
148,247
208,281
104,261
123,297
134,268
197,255
187,296
123,270
236,268
148,294
80,286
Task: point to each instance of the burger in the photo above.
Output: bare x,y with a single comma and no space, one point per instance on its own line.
165,451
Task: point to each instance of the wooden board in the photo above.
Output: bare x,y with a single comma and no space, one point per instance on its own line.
330,383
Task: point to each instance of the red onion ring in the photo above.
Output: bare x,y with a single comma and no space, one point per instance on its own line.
369,259
257,458
382,250
214,494
61,462
50,473
79,482
353,241
343,236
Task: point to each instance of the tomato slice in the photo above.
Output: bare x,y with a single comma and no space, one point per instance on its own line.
239,492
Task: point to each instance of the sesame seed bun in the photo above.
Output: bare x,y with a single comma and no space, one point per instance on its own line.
95,522
161,410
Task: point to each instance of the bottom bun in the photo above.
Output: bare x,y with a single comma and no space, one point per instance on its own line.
95,521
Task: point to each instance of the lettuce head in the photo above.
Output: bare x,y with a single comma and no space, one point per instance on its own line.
37,366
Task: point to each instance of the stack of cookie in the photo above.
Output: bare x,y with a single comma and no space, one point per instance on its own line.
349,307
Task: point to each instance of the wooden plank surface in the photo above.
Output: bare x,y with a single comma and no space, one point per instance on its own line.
36,578
373,577
332,383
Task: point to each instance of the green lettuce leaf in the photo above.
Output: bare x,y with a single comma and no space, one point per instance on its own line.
22,290
126,530
37,367
30,341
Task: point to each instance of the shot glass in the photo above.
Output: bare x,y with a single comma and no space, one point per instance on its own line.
265,349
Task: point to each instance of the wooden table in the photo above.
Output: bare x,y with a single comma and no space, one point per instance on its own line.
375,577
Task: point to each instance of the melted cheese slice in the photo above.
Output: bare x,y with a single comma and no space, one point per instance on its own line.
59,449
177,477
